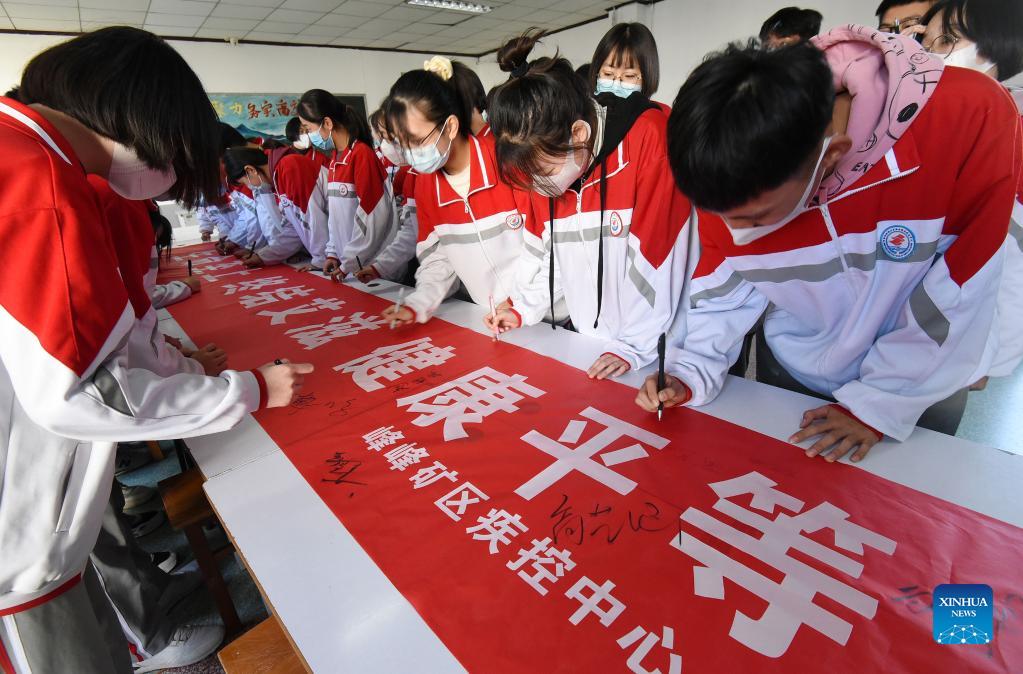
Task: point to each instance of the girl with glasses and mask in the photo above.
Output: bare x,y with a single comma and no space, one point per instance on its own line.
393,260
605,226
470,222
626,62
360,208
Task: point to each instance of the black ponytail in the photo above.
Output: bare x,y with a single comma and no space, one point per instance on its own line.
317,105
531,115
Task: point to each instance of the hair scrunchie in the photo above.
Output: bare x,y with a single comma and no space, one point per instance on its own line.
440,66
521,69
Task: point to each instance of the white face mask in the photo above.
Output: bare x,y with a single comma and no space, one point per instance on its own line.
429,158
967,57
746,235
132,179
556,184
302,143
392,153
617,87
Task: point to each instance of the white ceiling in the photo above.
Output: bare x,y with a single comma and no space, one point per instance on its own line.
384,24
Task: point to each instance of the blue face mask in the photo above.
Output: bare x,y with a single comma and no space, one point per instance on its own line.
319,142
617,87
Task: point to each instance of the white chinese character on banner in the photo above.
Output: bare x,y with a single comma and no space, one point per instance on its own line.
457,501
199,258
213,278
430,474
315,336
789,603
222,265
581,458
253,284
391,362
497,527
468,399
635,661
548,563
591,603
318,304
382,437
403,456
276,295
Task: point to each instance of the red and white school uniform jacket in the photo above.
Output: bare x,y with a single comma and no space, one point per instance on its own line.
393,259
245,232
131,233
220,216
645,241
68,386
295,211
477,239
361,218
1009,335
884,297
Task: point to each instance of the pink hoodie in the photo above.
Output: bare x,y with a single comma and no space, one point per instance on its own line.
890,79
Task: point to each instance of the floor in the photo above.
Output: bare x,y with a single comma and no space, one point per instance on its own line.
197,608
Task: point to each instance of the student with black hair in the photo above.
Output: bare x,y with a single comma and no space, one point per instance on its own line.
470,223
361,217
70,380
470,89
626,61
393,260
862,212
895,16
223,213
987,36
605,227
291,204
789,26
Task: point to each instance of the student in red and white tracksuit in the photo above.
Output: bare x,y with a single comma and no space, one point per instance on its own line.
470,223
245,231
881,293
622,281
605,228
69,381
361,218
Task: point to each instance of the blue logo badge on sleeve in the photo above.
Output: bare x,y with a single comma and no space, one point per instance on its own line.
963,614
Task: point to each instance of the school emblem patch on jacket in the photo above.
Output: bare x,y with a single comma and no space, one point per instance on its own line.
513,221
615,225
898,242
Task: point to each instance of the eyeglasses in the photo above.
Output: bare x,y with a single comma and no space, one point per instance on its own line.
898,25
940,46
624,78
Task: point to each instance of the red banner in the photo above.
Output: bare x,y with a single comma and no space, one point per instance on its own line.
540,521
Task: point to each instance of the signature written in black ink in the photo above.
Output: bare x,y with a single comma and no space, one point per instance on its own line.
341,470
602,521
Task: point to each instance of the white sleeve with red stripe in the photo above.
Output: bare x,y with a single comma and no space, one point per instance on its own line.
282,241
435,279
1010,300
114,401
723,308
375,219
938,346
531,297
163,295
393,260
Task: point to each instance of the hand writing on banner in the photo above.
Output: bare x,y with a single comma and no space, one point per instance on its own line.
212,358
332,268
674,393
841,433
193,283
503,319
283,381
608,365
398,316
253,261
367,274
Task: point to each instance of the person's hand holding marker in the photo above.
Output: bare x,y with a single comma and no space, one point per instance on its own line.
283,380
673,393
502,319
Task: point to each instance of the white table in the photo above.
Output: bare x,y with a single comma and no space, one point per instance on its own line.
352,621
